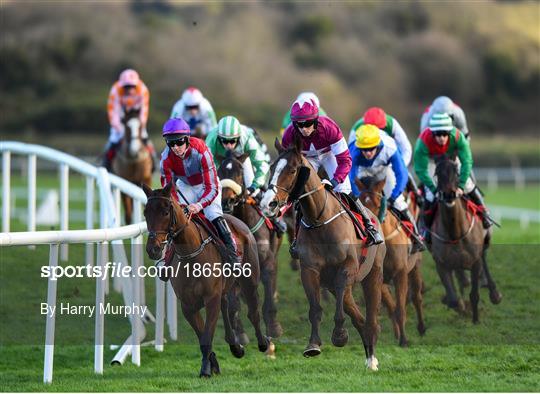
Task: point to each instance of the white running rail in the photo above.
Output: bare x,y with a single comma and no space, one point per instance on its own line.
109,187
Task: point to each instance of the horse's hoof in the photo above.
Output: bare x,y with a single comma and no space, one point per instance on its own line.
237,350
453,304
495,297
243,338
312,350
403,342
275,330
421,329
263,347
271,352
214,365
206,371
340,337
372,363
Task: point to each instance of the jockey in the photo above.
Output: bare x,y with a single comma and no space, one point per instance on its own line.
302,96
441,105
189,162
377,117
442,137
196,110
374,153
230,135
127,94
323,144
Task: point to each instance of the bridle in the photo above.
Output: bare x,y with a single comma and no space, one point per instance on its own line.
170,232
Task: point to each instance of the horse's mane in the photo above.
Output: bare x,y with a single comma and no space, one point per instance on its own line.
446,170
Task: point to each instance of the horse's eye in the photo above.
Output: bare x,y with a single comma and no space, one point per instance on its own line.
293,171
164,212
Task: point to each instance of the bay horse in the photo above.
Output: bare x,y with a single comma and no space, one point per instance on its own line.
399,267
330,253
132,162
458,240
168,224
236,202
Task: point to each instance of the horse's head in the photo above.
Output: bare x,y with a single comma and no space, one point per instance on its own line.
231,175
447,174
163,217
371,192
288,176
133,134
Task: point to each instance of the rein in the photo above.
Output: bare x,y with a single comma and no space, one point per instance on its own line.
454,241
172,234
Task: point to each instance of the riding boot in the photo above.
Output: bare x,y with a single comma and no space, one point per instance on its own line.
476,197
150,146
110,153
233,258
373,236
292,248
428,214
418,245
412,186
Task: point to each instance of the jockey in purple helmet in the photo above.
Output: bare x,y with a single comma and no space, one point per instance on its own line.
188,161
323,145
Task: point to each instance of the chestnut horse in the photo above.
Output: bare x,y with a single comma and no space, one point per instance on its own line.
330,253
236,202
458,239
195,249
399,267
132,161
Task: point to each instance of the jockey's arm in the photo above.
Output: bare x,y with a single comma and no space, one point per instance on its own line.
460,121
402,142
421,161
400,173
143,115
210,179
354,170
212,144
465,157
343,157
258,161
114,109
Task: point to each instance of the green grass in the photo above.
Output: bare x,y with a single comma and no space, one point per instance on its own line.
502,353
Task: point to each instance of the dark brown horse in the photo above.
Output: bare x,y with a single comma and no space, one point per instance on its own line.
458,239
133,161
330,253
400,267
194,250
236,202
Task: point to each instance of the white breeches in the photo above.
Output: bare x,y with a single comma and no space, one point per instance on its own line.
194,193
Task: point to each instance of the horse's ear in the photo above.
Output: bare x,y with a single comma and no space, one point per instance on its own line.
297,143
278,146
439,158
167,189
147,190
243,157
379,186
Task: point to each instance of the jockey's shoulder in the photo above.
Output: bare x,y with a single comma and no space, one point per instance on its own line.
198,144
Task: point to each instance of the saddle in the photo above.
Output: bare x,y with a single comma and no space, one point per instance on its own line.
349,205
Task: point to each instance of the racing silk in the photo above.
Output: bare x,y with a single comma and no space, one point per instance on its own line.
427,148
196,168
387,155
205,119
394,130
326,139
247,144
287,119
118,104
457,115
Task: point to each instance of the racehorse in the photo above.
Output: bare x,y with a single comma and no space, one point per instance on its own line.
458,239
236,202
196,286
330,253
399,267
132,161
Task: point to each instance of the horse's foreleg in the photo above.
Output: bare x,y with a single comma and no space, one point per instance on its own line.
494,295
351,308
249,290
451,298
212,307
474,296
402,286
372,285
312,288
128,208
230,337
268,278
415,279
388,301
340,336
